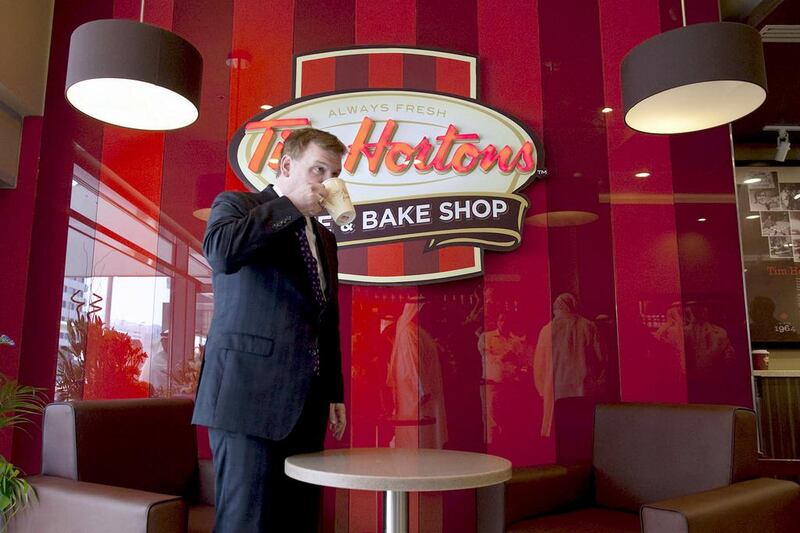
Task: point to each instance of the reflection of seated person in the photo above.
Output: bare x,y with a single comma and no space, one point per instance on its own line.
763,324
710,359
707,345
503,353
671,331
155,368
507,378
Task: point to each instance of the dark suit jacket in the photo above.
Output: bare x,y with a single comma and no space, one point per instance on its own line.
266,324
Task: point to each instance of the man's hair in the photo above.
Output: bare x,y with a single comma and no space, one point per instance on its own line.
295,145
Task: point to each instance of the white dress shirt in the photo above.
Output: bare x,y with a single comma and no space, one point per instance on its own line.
312,244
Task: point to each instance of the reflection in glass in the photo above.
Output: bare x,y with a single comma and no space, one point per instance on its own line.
567,346
507,370
415,378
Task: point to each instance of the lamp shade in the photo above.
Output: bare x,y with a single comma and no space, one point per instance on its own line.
693,78
134,75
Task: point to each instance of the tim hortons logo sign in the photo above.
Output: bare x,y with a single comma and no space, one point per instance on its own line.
420,166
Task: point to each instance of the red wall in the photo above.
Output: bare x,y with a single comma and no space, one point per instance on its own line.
17,217
645,261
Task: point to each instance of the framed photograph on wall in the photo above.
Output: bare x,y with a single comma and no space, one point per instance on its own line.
764,199
769,219
775,224
761,179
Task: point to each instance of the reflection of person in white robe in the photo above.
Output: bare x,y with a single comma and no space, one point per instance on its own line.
565,345
415,377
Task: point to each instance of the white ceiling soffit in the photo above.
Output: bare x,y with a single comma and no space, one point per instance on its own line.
781,33
737,9
752,12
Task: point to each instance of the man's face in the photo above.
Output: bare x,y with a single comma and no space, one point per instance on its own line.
761,197
314,165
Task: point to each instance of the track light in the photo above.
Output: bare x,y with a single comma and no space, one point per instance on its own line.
783,146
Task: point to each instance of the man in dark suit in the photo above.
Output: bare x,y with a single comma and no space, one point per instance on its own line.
272,369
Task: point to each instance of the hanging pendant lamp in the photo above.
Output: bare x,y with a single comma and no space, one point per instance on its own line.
134,75
694,78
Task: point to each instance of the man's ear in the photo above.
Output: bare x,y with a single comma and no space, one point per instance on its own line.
285,165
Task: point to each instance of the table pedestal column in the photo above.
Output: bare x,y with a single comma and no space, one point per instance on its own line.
395,511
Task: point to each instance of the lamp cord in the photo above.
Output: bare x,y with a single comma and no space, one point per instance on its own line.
141,13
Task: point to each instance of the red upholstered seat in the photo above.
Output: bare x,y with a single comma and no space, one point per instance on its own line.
655,468
120,465
591,520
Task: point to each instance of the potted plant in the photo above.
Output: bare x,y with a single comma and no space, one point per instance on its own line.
98,362
17,403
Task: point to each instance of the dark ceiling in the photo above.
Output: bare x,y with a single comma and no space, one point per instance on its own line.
783,76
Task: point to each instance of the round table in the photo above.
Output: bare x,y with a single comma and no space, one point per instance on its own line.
396,472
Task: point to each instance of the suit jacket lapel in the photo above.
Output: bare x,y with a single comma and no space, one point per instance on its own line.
323,241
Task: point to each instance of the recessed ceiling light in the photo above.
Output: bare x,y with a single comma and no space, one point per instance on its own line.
642,174
701,219
606,110
751,180
266,107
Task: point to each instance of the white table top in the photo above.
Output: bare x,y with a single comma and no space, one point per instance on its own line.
398,469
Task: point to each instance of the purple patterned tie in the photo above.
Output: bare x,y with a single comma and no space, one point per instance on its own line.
313,274
311,265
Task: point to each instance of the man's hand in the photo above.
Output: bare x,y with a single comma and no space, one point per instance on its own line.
307,197
337,420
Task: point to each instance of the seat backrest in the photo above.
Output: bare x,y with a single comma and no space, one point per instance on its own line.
650,452
146,444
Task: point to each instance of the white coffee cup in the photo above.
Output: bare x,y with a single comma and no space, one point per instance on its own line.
338,202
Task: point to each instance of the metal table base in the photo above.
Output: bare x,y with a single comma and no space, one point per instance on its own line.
395,511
